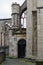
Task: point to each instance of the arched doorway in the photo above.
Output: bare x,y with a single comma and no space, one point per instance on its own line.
21,48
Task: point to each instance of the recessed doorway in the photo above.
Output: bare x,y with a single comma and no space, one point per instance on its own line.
21,48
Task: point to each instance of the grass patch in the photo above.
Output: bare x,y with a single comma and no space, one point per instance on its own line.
2,63
29,62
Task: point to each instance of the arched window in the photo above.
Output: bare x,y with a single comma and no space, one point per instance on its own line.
23,19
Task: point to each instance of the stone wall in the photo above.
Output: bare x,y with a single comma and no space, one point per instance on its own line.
2,56
35,5
13,44
2,26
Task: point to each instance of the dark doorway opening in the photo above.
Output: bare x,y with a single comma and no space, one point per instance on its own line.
21,48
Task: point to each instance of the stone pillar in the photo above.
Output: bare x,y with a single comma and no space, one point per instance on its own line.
2,39
34,4
40,34
12,45
16,15
29,30
10,42
40,30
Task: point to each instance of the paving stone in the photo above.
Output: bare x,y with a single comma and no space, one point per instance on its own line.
16,62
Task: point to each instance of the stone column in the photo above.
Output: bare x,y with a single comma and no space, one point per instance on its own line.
40,30
34,4
29,30
40,34
2,39
12,45
31,26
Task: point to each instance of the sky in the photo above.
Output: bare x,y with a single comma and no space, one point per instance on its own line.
5,7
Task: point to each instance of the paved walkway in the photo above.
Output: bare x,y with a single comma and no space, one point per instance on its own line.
17,62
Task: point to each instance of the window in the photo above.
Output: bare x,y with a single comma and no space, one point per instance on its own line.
23,19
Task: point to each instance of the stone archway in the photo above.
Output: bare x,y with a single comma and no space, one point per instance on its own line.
21,48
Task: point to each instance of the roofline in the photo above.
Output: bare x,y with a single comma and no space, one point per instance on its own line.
5,19
23,7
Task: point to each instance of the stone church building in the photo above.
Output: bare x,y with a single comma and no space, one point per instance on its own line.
23,32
